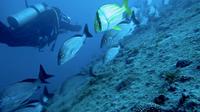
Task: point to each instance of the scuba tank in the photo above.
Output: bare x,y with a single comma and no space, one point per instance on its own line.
27,15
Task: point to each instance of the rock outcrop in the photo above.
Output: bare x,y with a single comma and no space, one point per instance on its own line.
157,70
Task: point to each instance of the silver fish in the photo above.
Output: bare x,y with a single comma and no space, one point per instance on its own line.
111,54
72,46
18,93
34,106
110,15
113,37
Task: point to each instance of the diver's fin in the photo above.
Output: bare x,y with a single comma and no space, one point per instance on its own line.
46,93
86,31
117,28
43,75
125,5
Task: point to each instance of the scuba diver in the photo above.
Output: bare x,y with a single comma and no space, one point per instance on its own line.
36,26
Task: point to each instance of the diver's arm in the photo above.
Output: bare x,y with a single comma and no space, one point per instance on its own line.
69,27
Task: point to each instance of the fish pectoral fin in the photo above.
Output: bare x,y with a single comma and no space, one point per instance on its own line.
117,28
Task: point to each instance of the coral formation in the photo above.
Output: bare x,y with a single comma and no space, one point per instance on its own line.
157,70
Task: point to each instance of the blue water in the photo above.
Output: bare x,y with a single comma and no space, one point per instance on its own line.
153,63
19,63
22,62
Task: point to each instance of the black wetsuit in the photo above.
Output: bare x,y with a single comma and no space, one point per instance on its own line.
39,32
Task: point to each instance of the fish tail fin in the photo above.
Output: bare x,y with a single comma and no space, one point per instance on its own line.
43,75
125,5
133,18
46,93
86,31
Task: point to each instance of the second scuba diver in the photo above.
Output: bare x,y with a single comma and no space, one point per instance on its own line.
36,26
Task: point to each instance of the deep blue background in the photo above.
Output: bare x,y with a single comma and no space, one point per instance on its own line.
19,63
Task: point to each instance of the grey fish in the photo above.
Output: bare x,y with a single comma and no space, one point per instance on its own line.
32,106
113,37
111,54
18,93
72,46
36,105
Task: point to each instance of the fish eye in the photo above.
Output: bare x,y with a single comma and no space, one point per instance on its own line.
61,55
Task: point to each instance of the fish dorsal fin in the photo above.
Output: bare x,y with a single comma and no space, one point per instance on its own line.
117,28
46,93
127,9
86,31
133,18
43,75
29,80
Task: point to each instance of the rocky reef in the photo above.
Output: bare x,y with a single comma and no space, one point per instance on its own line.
157,70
